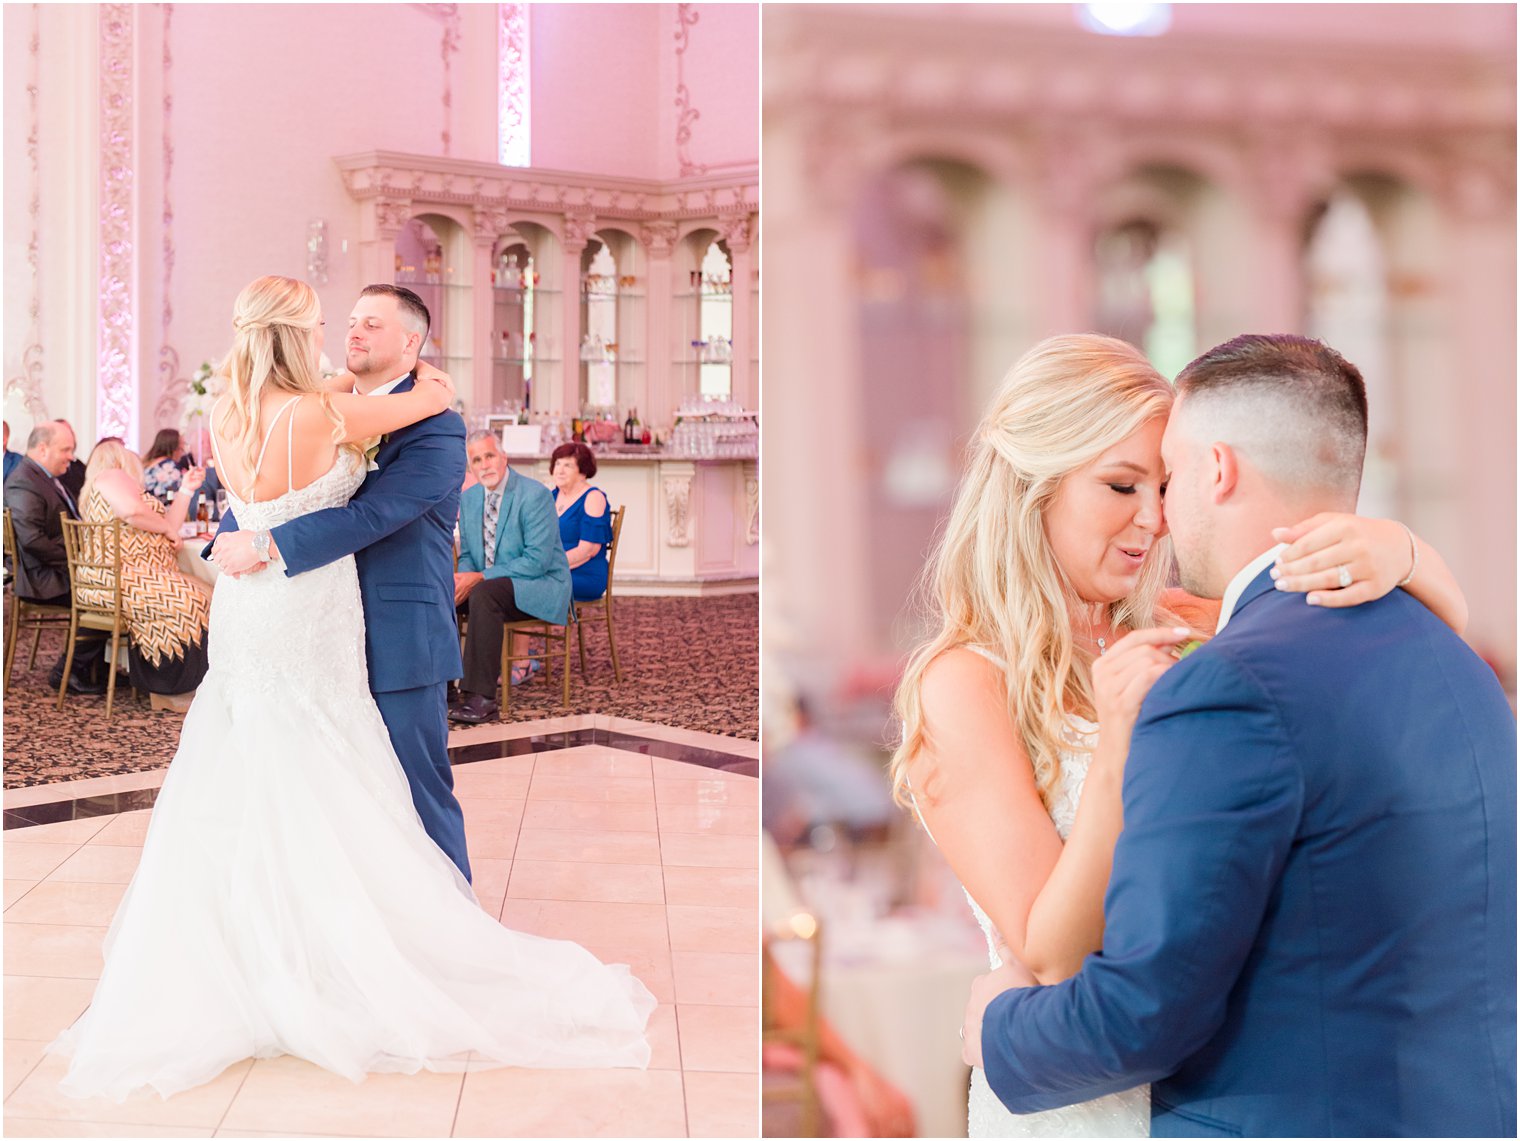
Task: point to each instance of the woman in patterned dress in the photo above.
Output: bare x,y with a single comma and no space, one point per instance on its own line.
166,611
162,474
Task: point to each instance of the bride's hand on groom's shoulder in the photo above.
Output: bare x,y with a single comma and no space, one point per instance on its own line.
427,374
1125,674
1376,555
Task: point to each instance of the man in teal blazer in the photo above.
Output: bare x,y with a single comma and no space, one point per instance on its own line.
511,567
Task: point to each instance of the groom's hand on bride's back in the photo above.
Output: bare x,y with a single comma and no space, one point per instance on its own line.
985,988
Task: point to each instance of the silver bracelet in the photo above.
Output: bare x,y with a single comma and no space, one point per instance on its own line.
1414,556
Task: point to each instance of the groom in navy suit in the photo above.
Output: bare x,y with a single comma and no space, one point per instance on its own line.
1310,925
400,527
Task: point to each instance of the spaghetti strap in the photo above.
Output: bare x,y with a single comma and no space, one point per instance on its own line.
258,464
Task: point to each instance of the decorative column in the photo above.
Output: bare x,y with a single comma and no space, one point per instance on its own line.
580,228
1478,207
380,224
116,394
1066,284
487,224
736,232
659,241
1279,201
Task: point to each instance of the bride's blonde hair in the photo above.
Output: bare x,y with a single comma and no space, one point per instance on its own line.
272,323
993,581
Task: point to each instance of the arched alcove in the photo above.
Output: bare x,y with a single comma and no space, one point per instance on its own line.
1346,303
433,254
1374,253
525,315
705,315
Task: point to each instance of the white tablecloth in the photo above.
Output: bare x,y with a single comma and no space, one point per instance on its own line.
194,566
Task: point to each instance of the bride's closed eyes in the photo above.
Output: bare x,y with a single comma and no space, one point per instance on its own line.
1129,489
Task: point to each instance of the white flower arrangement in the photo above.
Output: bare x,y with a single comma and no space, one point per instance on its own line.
204,387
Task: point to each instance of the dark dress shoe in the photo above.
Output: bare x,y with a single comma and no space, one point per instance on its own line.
81,686
473,709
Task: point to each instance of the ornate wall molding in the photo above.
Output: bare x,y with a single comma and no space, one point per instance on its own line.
1380,108
170,394
736,233
28,382
659,238
514,86
448,15
116,392
580,228
390,179
391,214
686,18
677,510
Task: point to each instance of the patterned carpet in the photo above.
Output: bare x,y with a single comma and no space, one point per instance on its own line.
687,662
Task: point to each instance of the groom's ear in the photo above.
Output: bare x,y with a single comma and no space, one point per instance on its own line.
1226,472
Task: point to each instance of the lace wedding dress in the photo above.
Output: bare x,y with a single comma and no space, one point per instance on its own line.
1123,1114
289,901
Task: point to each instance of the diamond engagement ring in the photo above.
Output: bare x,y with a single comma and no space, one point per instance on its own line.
1345,575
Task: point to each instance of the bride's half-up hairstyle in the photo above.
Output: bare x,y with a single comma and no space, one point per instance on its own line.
272,324
993,581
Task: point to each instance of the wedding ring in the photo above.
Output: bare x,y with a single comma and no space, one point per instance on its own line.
962,1033
1345,575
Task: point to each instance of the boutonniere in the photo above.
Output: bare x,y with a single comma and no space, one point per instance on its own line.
372,449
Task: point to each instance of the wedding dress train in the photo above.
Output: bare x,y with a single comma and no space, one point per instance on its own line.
289,901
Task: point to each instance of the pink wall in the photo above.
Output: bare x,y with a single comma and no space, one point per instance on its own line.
604,85
595,86
264,97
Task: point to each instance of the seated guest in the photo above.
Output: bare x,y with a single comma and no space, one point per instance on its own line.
73,476
585,525
38,501
161,469
511,568
11,458
166,611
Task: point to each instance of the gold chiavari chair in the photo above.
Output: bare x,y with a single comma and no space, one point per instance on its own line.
781,1025
33,615
603,605
94,552
528,629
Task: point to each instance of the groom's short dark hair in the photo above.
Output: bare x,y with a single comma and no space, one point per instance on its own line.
1302,403
411,305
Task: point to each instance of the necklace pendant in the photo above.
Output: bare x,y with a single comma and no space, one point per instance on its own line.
1102,647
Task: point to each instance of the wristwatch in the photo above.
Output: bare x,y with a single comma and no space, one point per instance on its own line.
261,545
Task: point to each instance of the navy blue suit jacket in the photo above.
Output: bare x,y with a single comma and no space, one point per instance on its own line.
399,526
1310,926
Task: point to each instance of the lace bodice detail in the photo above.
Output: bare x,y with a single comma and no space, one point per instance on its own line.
333,488
262,629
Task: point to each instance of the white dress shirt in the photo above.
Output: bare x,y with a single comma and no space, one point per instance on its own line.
1242,580
384,389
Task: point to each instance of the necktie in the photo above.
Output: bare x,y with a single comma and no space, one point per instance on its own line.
67,498
493,507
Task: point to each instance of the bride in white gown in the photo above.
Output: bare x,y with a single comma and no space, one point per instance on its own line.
288,900
1053,624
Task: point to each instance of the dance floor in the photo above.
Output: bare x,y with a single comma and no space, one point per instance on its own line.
638,841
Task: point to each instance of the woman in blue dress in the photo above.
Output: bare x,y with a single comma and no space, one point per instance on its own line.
585,522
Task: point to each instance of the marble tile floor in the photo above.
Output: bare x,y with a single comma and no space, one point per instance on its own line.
642,858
